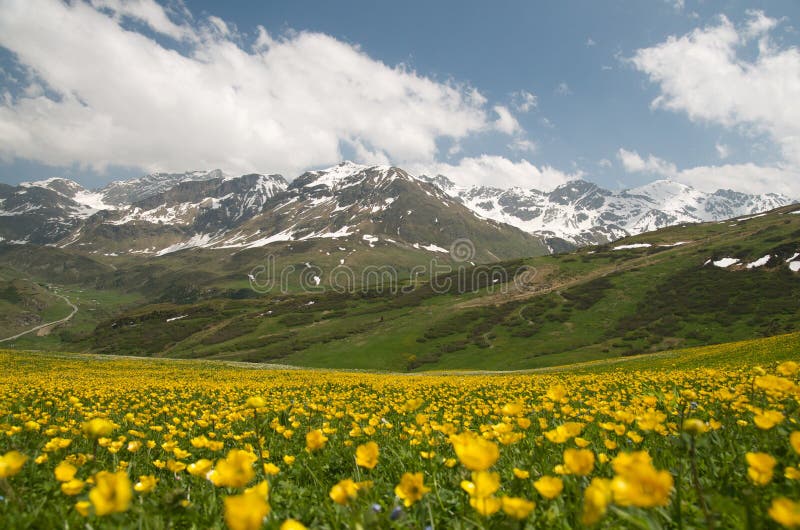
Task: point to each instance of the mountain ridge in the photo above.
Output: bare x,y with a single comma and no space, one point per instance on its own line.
166,212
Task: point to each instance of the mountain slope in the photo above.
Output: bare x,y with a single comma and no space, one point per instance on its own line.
682,286
349,202
583,213
166,212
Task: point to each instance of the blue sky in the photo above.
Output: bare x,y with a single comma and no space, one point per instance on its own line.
431,86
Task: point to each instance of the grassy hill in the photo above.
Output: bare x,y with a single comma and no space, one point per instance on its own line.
660,291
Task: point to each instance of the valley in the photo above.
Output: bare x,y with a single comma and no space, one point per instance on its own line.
654,291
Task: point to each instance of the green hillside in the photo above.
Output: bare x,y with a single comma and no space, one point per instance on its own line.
596,303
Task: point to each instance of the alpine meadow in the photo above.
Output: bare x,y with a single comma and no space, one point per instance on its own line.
399,266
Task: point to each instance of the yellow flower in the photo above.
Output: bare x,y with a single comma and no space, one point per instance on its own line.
785,512
474,452
175,467
486,506
411,488
83,507
146,484
694,426
644,487
579,461
367,455
788,368
549,487
794,440
255,402
344,491
65,472
98,427
791,473
235,470
768,419
288,460
521,473
292,524
271,469
112,493
596,499
626,463
760,468
557,392
315,440
564,432
72,487
246,511
517,508
484,484
11,463
200,468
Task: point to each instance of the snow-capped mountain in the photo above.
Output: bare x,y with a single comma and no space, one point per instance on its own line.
162,213
584,213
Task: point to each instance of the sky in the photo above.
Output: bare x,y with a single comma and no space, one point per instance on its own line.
509,93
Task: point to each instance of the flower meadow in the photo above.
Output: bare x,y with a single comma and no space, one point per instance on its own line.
88,442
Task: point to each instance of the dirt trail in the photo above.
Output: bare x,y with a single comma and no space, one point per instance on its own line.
47,324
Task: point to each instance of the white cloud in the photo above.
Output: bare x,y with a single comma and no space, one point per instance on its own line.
148,12
604,163
506,122
678,5
747,178
715,75
563,89
522,145
498,171
709,75
524,101
632,162
590,42
116,96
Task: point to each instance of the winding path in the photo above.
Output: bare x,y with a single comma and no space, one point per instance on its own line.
47,324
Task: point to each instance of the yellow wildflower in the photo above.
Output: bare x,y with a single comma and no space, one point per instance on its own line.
146,484
315,440
411,488
235,470
760,468
517,508
367,455
11,463
579,461
112,493
785,512
549,487
474,452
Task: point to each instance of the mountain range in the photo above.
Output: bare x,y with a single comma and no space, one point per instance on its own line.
163,213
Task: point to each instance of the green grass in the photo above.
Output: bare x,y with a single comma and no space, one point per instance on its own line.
595,303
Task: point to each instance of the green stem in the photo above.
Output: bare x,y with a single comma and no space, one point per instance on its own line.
697,486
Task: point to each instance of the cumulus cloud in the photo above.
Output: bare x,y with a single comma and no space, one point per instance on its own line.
522,145
723,151
102,93
506,122
632,162
747,178
498,171
524,101
739,78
